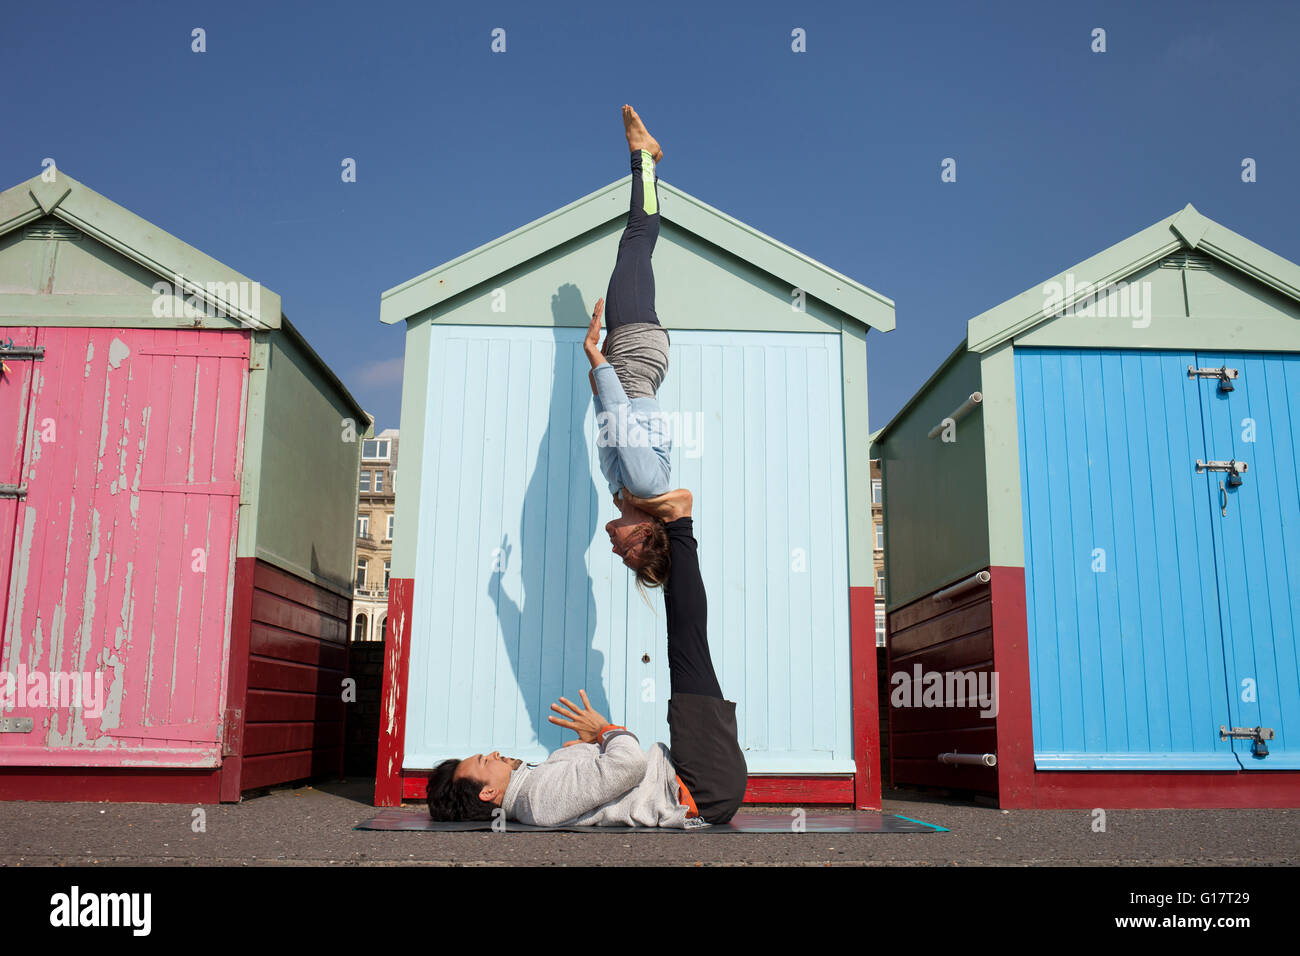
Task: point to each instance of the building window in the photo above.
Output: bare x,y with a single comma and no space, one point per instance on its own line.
383,629
880,625
880,583
365,481
361,575
376,450
359,629
880,537
389,536
388,569
379,482
363,525
876,492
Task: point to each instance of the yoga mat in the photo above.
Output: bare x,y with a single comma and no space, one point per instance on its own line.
858,821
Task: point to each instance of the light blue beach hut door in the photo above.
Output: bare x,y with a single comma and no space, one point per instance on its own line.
518,599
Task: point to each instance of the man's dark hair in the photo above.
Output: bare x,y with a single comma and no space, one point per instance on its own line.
455,799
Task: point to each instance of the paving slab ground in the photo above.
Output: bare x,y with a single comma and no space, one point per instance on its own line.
313,826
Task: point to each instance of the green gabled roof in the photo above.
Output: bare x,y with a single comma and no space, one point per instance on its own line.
685,211
1186,229
136,238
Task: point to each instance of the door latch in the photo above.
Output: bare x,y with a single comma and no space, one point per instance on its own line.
1234,468
1225,375
1257,734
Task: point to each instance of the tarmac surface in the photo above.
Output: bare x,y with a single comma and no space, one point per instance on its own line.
312,826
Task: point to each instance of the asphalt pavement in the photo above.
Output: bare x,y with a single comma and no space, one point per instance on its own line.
312,825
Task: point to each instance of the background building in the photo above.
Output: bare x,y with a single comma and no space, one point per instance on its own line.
376,497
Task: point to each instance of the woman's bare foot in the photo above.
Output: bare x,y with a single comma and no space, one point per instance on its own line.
666,507
638,137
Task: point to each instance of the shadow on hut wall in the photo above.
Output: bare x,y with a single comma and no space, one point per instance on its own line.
556,611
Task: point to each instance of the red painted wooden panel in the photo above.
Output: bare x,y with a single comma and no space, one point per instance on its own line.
115,583
941,637
266,705
116,784
392,717
273,769
866,716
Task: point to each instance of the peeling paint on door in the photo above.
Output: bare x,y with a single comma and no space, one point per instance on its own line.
131,463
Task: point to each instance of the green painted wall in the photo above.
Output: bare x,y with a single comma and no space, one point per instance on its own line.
306,490
698,286
406,486
1214,308
1002,458
936,528
83,283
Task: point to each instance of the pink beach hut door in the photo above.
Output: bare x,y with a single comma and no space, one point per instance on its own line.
120,553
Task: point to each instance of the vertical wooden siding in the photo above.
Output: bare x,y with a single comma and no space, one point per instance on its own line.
121,560
1126,663
1258,552
519,600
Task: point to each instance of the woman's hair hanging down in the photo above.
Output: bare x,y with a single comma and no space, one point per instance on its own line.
653,571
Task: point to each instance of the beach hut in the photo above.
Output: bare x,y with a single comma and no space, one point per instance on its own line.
177,508
1092,563
504,593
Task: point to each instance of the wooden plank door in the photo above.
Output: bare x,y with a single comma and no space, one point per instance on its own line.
1126,652
1257,535
15,439
124,552
520,600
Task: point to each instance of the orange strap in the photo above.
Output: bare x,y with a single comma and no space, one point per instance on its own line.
684,797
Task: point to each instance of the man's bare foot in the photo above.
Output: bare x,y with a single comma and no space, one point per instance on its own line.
638,137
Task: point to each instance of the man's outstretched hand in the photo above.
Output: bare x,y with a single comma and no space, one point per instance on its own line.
586,721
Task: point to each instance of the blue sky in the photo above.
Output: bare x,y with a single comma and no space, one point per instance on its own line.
1060,151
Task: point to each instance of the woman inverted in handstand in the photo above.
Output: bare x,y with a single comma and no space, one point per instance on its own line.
634,439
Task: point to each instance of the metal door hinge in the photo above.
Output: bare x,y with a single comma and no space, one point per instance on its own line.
16,725
1224,374
13,491
1257,734
230,732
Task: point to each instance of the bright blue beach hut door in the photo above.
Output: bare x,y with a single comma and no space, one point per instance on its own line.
1155,619
1257,536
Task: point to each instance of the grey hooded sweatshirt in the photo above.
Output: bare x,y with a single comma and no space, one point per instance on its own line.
610,783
